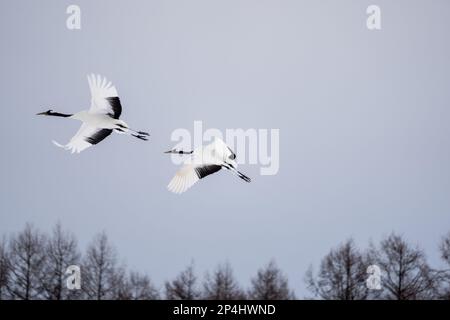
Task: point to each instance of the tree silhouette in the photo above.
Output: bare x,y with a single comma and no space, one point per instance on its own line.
61,252
270,284
138,287
100,274
342,275
444,275
222,285
26,262
184,286
4,270
406,274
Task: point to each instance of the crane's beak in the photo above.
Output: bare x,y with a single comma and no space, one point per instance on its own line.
44,113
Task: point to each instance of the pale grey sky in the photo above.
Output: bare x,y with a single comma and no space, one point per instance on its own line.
363,119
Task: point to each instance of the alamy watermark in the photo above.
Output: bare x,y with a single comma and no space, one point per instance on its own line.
252,146
373,282
73,281
73,21
373,21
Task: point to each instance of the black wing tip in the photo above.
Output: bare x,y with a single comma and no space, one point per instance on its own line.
116,106
207,170
98,136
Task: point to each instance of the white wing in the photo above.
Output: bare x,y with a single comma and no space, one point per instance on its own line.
85,137
200,165
104,97
203,162
189,174
183,179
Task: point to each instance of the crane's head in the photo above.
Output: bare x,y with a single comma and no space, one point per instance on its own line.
232,163
45,113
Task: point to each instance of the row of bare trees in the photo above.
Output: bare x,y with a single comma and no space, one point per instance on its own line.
33,266
405,272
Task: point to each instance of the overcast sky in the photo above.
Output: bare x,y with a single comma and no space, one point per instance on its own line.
363,118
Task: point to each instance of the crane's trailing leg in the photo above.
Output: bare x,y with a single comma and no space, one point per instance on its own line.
243,176
238,173
137,134
142,137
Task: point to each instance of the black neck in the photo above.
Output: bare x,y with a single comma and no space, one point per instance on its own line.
57,114
179,151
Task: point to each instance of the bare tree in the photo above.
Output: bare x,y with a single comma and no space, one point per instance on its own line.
119,284
26,262
444,248
99,272
270,284
222,285
4,269
138,287
184,286
61,252
342,275
406,274
444,275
